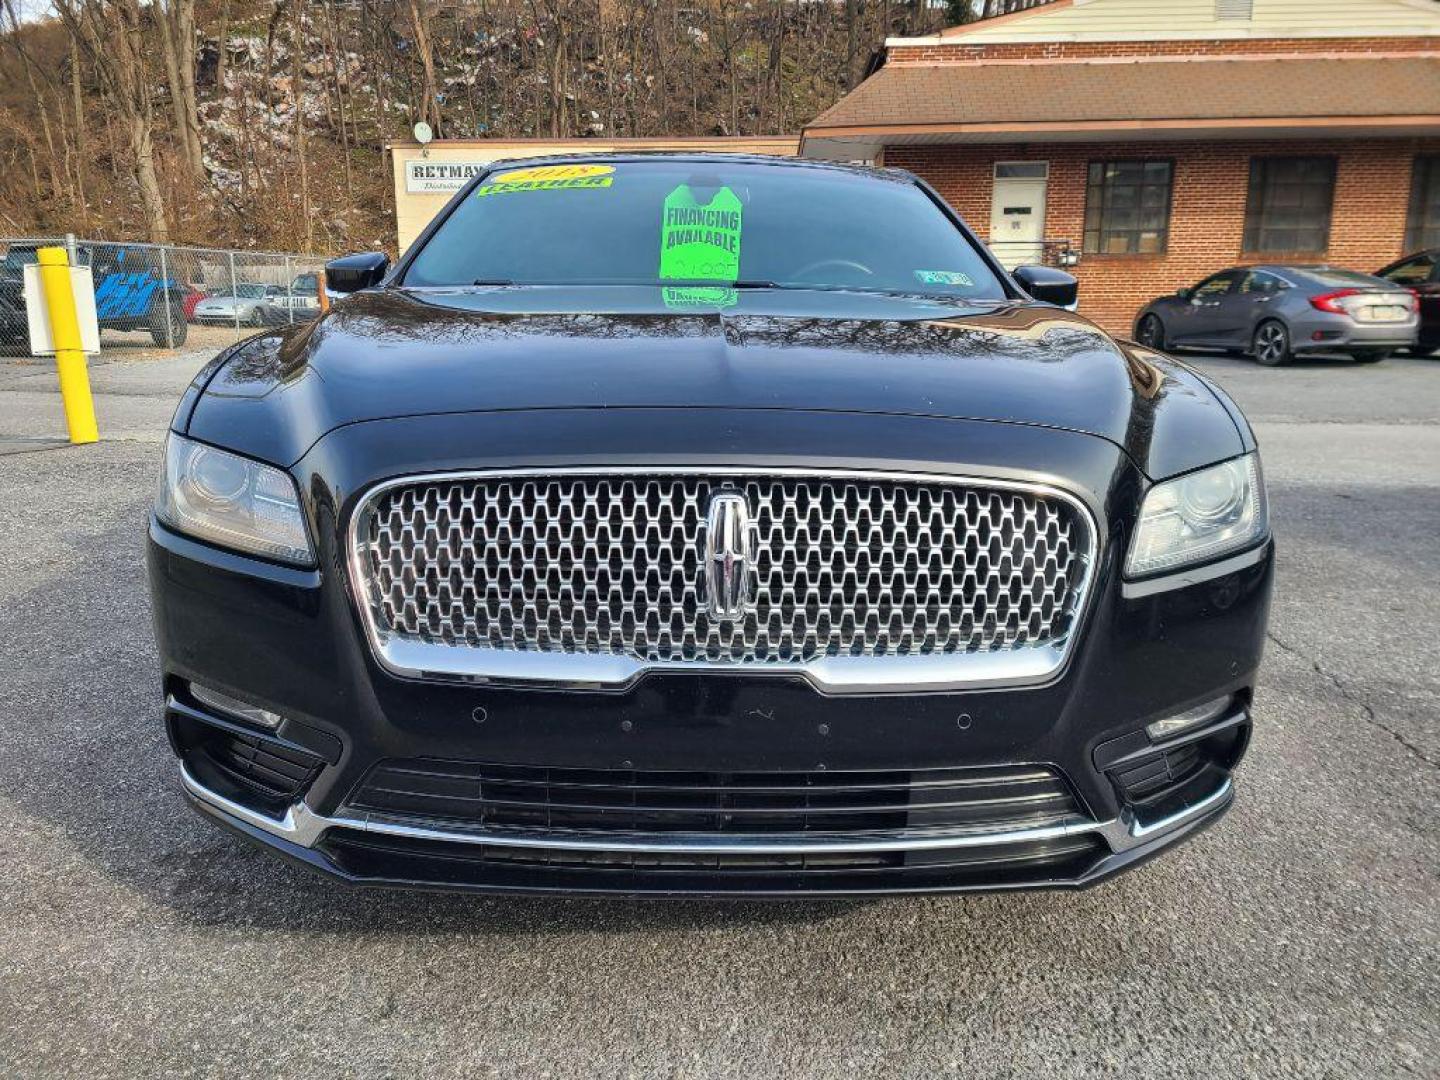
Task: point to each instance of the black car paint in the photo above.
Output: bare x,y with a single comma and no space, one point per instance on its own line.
495,350
1429,295
394,382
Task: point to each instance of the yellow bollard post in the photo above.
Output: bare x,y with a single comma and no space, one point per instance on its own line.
69,353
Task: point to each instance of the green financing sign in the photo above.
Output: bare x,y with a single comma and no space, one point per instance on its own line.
700,242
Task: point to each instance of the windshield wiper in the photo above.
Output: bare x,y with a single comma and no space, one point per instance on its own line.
742,284
804,286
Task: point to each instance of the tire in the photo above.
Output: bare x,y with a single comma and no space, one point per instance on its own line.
168,327
257,318
1271,344
1371,356
1150,331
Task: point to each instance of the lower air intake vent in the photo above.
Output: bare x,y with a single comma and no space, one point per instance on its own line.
268,766
257,769
627,801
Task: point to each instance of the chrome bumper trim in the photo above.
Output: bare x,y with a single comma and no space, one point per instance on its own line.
303,827
829,675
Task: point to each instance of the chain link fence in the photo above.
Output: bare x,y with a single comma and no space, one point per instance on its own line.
161,296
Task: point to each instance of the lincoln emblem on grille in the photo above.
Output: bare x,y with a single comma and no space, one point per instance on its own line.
729,556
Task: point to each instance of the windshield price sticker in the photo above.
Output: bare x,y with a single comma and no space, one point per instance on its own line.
942,277
548,178
700,242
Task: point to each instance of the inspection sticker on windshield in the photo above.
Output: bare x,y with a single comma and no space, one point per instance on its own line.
942,277
548,178
700,242
699,298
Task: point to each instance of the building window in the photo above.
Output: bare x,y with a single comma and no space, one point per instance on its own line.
1127,207
1022,170
1422,226
1288,208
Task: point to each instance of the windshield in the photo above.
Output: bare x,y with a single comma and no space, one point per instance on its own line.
672,222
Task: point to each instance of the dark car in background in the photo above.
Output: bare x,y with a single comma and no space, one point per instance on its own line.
707,524
132,292
1421,273
1276,313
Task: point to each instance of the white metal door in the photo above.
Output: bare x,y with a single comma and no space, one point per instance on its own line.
1017,214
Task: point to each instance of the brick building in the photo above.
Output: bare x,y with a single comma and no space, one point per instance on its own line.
1159,140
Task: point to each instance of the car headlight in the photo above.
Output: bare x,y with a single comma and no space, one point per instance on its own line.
232,501
1199,517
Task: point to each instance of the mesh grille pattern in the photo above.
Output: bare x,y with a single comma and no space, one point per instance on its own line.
614,564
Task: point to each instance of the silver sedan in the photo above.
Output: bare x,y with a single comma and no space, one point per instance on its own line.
1275,313
244,305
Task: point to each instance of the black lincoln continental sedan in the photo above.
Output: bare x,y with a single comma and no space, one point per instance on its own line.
707,525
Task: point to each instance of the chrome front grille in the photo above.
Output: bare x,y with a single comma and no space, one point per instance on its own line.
614,565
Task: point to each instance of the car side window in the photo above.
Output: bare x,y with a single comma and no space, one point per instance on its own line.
1215,286
1416,271
1261,283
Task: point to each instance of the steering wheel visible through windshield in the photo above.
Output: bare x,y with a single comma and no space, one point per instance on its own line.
673,222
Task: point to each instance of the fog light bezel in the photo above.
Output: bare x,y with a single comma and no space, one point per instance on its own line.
1188,720
235,708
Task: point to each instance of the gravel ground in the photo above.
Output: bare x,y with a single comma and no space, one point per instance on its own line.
1296,938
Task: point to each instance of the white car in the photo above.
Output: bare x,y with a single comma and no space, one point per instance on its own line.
244,305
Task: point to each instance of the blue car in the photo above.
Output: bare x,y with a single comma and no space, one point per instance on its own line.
131,293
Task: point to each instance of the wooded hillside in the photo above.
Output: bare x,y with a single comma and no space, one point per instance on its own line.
263,124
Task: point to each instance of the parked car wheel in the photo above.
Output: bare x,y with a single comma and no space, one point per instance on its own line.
1371,356
256,317
1271,344
168,327
1151,332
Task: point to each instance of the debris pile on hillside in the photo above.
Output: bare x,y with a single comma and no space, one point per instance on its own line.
294,102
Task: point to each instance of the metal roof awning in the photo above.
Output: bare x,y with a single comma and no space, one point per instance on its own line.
1133,100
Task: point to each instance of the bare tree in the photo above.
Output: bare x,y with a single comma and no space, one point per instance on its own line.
176,19
429,91
111,34
297,67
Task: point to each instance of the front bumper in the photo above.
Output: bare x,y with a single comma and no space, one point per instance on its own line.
721,722
412,855
291,641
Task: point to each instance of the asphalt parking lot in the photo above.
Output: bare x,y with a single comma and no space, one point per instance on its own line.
1299,937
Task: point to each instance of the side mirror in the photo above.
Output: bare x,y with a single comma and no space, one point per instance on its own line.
351,273
1047,284
1184,292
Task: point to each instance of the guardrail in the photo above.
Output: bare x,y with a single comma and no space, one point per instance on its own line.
166,296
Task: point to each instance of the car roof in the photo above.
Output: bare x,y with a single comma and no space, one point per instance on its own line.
703,157
1326,274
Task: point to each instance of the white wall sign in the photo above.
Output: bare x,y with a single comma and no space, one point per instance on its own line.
425,176
38,314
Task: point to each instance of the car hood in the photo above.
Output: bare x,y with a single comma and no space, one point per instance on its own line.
391,353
